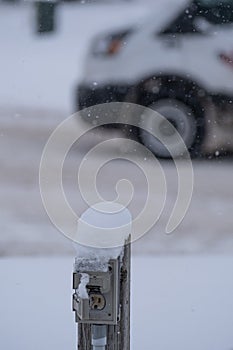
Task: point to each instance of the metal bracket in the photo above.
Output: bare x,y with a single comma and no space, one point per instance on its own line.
101,306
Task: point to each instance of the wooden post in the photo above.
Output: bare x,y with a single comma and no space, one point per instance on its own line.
125,299
118,336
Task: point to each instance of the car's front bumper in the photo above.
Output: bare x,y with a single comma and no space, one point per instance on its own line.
87,96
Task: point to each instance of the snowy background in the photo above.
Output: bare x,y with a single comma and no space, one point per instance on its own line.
181,284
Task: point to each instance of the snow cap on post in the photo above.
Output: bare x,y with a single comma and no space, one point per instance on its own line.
104,225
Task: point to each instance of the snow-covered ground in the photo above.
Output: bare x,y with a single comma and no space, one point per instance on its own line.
26,229
177,303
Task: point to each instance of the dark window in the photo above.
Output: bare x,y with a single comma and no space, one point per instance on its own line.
216,12
184,23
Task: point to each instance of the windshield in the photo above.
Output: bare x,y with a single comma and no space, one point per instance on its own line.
212,3
216,12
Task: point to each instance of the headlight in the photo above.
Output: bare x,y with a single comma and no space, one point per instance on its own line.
110,44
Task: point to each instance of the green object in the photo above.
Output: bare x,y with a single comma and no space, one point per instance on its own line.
45,13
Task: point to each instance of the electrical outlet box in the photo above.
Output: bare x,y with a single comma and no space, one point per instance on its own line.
100,305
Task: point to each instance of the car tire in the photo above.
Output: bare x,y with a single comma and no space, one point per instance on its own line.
185,113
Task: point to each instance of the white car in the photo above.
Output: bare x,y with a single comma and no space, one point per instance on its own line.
178,62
